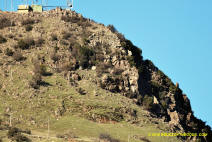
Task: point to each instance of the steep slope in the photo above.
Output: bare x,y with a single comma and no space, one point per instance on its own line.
64,77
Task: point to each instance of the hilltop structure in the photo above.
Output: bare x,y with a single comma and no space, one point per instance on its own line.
35,7
29,8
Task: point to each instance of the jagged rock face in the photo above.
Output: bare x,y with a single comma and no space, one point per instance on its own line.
127,80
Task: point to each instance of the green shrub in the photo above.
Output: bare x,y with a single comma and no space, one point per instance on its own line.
161,74
136,58
131,61
172,89
18,56
66,18
162,94
63,42
72,19
28,21
68,66
9,52
40,69
103,68
39,41
84,55
10,36
28,28
85,41
2,39
25,43
12,132
120,36
21,138
80,21
118,71
144,139
81,91
112,28
36,81
147,102
55,57
107,138
164,104
66,35
4,22
54,37
15,135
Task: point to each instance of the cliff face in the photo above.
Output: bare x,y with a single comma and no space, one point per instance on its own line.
60,51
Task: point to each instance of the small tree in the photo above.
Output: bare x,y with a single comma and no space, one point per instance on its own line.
40,69
36,81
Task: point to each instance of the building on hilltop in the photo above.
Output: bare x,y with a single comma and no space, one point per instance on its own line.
28,8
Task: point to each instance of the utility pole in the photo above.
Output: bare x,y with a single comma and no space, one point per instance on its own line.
48,129
11,120
6,5
11,73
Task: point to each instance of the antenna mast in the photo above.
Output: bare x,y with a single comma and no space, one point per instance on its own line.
70,3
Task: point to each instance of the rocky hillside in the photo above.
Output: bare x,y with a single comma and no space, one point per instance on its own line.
68,78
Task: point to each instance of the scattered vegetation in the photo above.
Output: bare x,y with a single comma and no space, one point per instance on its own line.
66,35
2,39
68,135
103,68
40,41
81,91
25,43
80,21
9,52
54,56
147,102
84,55
36,81
118,71
18,56
64,42
10,36
40,69
144,139
112,28
28,21
136,58
15,135
28,28
107,138
69,66
54,37
5,22
81,55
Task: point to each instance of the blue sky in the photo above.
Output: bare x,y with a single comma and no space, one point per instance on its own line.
175,34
